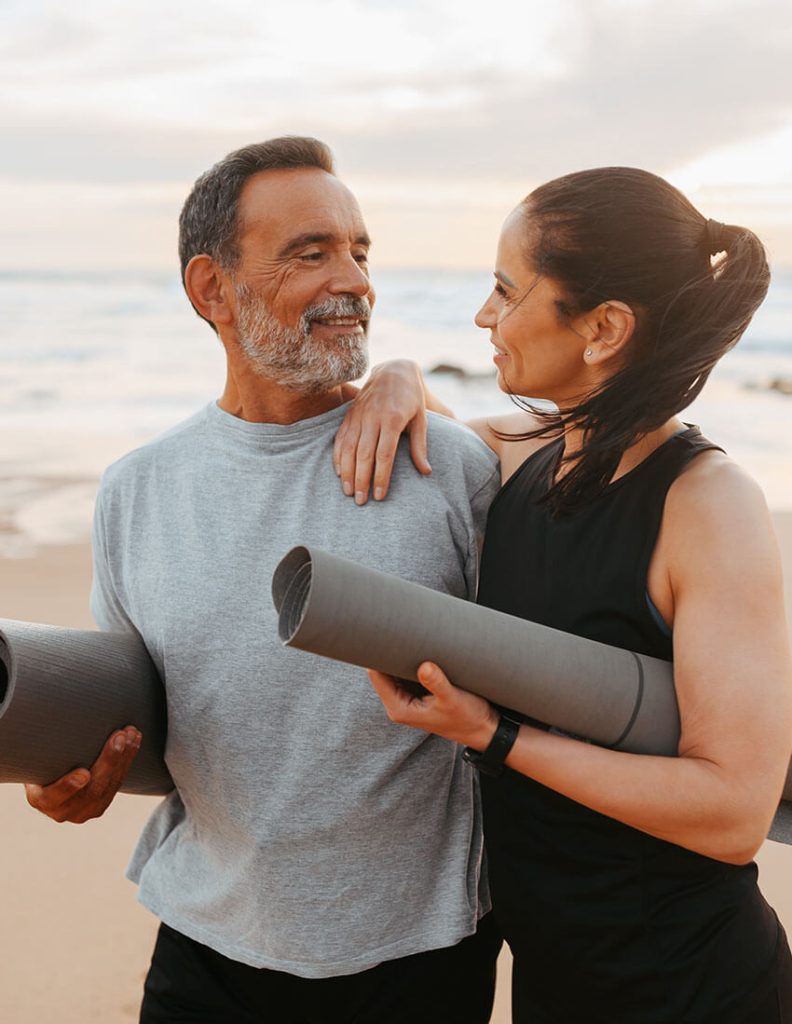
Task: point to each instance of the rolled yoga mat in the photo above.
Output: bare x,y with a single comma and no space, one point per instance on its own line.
63,691
337,608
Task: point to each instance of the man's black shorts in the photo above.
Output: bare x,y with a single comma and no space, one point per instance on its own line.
191,984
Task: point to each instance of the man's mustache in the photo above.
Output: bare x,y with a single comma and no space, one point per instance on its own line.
343,306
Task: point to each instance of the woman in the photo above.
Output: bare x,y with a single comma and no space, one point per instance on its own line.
624,884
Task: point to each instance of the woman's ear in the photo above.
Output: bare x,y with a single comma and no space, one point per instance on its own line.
607,329
209,289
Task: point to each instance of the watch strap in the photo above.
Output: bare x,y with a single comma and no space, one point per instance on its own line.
490,761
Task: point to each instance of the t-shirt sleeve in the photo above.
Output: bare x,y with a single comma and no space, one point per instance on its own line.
480,501
106,606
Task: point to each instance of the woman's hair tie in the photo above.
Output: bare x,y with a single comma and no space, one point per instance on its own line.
715,237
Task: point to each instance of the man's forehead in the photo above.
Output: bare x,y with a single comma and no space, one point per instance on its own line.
299,202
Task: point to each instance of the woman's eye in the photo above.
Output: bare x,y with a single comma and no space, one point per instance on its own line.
500,290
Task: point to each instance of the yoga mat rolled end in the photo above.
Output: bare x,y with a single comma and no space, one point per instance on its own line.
291,588
4,676
64,691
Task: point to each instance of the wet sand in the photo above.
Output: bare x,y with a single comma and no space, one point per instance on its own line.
74,942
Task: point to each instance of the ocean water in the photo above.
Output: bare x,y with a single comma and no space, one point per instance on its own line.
93,365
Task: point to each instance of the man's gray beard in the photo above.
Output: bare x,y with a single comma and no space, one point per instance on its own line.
290,356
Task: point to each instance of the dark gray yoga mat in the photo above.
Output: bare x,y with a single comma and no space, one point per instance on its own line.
63,691
337,608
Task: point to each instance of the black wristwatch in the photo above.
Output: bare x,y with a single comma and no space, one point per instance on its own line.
490,761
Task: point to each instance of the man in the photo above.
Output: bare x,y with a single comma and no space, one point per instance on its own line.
315,862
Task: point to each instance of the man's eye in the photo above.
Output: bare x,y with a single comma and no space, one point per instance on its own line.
311,257
500,290
362,257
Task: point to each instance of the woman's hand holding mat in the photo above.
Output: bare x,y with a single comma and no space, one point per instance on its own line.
442,710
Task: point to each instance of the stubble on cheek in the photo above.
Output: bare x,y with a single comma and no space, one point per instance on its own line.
293,357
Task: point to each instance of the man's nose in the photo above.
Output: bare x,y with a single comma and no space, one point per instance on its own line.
349,277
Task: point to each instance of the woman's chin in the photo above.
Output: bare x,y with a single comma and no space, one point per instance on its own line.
503,383
509,386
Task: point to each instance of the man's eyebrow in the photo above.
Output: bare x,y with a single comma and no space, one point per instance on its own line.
315,238
504,280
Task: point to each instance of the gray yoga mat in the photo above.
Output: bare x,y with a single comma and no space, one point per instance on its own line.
337,608
63,691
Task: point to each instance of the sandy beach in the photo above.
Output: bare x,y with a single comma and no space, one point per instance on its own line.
74,943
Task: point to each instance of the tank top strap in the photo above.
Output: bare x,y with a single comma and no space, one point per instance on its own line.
535,474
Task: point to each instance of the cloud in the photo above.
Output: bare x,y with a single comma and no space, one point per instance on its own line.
426,89
443,105
307,39
657,88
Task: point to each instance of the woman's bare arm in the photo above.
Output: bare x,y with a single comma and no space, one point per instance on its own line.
733,676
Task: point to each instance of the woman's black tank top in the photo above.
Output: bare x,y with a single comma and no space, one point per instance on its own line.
608,924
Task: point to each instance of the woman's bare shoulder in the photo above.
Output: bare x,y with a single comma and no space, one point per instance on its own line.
715,486
496,431
714,508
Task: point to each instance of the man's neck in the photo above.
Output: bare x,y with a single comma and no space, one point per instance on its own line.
259,400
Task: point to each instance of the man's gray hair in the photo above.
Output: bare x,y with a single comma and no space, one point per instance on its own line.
209,221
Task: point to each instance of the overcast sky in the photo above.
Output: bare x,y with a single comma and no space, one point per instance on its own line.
442,113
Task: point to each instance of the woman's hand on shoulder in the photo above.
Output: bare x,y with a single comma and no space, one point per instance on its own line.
731,648
394,400
390,402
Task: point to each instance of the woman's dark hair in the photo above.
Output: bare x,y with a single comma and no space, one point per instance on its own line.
618,233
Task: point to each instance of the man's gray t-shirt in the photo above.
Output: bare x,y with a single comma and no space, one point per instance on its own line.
307,833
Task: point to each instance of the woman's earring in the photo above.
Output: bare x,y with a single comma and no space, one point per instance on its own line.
588,352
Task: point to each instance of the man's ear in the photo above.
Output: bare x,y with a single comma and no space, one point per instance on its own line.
606,329
209,289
